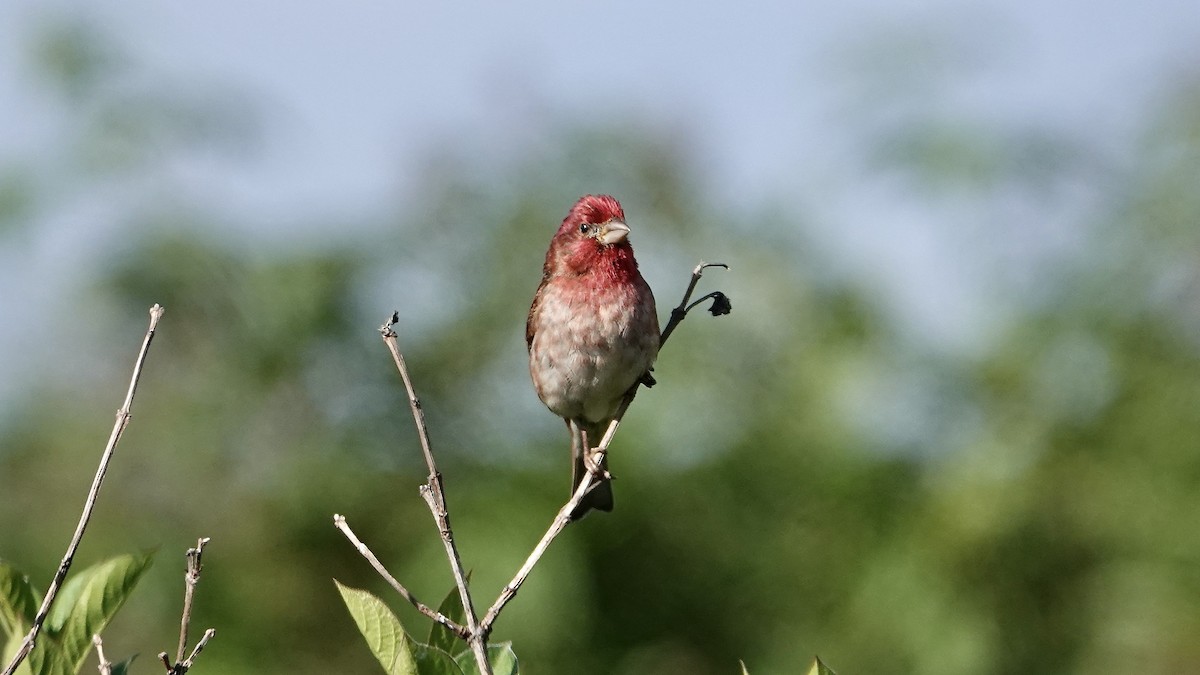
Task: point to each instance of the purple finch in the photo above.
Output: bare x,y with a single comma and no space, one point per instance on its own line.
592,331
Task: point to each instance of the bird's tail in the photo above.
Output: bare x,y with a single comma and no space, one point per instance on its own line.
600,497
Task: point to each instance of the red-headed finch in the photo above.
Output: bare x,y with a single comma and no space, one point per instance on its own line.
592,331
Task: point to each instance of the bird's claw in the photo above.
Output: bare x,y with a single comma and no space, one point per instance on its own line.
593,461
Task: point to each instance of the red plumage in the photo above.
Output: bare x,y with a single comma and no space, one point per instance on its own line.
592,331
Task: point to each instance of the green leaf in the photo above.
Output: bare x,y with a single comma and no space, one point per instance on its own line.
503,658
452,608
18,602
382,630
87,602
48,659
818,668
501,655
434,661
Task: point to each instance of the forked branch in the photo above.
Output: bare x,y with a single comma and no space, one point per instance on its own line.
190,578
476,632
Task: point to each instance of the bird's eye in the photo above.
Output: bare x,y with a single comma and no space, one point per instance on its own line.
585,228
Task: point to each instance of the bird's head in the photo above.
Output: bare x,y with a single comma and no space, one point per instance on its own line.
593,232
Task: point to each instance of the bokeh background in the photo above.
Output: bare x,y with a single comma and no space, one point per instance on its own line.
952,425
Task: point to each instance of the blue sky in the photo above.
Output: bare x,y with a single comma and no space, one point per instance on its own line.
349,93
748,78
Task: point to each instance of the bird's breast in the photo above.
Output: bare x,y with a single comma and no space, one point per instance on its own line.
590,346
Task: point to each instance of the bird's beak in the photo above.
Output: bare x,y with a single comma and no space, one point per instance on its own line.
613,232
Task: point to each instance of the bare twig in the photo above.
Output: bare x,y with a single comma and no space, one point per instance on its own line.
191,659
122,421
190,579
720,302
104,666
340,523
556,527
208,635
185,665
435,496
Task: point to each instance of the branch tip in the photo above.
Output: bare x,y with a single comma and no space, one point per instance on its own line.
386,329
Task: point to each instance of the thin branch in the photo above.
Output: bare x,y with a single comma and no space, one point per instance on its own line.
340,523
721,306
104,666
190,579
680,313
556,527
185,665
191,659
435,496
123,415
389,338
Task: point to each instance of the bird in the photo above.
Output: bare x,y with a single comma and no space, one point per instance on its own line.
592,332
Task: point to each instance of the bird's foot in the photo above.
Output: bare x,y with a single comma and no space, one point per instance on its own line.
593,460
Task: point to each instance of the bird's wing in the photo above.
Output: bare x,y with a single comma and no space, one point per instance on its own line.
534,310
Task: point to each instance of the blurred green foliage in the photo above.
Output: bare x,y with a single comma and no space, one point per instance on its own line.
806,477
